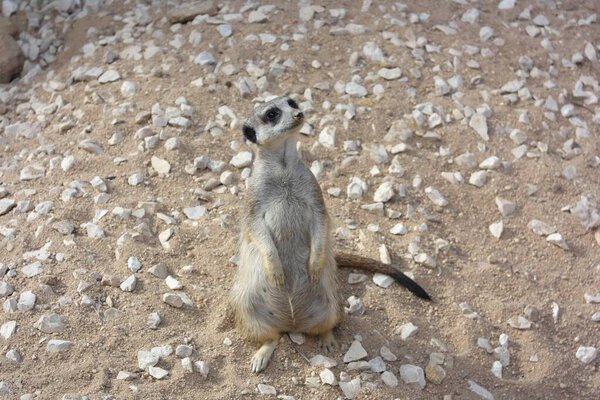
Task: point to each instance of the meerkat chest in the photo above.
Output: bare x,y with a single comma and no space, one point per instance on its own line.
287,206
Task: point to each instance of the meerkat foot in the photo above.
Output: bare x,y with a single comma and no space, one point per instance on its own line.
261,358
327,341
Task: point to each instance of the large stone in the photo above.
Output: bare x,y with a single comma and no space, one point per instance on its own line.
11,58
51,323
189,12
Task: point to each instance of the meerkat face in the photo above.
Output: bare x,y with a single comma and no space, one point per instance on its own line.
273,120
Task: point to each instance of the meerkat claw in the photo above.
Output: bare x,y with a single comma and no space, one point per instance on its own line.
261,358
328,342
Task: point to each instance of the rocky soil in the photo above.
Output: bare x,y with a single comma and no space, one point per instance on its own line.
459,140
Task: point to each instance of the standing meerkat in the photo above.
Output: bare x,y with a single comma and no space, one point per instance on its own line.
287,276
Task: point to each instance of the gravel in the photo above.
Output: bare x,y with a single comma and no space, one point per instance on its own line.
460,146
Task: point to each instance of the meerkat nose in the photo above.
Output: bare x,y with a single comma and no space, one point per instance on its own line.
298,115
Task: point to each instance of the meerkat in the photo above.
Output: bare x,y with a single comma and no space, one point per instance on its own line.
287,276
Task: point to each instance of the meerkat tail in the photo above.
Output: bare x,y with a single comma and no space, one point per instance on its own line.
345,260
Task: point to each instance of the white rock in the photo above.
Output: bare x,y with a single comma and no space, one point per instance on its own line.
540,228
160,165
591,299
128,88
266,389
51,323
506,4
154,320
492,163
412,374
147,359
202,368
6,205
173,283
479,123
128,285
436,197
399,229
506,207
425,259
486,33
389,379
33,269
350,389
466,160
382,280
373,52
496,229
590,53
32,172
26,301
519,322
355,90
109,76
586,354
327,136
408,330
478,178
557,240
157,372
57,345
356,188
328,377
384,192
322,361
390,73
497,369
241,160
355,352
173,300
134,264
8,329
480,390
195,213
387,354
135,179
205,58
125,376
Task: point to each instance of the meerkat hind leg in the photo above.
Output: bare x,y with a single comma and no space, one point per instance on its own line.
261,358
327,341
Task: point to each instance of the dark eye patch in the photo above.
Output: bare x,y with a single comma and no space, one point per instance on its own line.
292,103
249,133
272,116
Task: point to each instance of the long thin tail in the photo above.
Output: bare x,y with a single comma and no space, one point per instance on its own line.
345,260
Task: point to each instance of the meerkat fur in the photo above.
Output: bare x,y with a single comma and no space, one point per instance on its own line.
287,277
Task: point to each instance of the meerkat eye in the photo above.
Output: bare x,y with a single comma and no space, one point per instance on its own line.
272,115
292,103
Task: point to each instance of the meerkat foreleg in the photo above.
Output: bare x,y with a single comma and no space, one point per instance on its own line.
261,358
259,235
319,247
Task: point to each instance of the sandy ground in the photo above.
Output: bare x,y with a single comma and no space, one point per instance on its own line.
498,278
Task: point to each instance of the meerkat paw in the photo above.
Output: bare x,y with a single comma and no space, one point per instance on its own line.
275,276
261,358
328,342
274,271
315,269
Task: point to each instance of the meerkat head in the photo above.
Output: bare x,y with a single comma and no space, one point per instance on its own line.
273,120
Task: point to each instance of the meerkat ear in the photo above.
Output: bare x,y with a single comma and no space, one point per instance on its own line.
249,133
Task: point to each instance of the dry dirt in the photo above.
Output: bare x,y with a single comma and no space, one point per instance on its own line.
496,277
